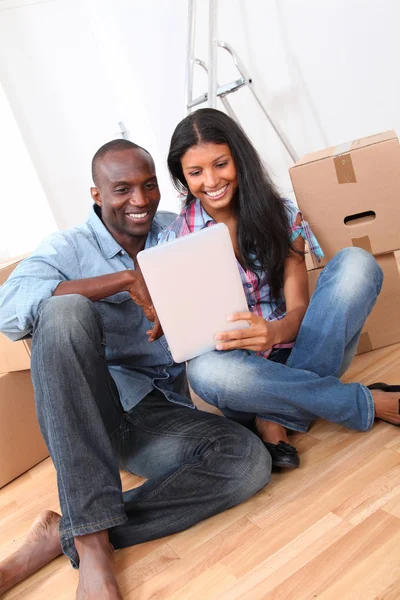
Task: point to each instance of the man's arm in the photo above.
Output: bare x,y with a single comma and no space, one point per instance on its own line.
97,288
54,269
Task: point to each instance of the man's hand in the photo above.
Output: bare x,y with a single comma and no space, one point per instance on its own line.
259,337
139,293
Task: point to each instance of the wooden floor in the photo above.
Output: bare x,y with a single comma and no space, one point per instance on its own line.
330,530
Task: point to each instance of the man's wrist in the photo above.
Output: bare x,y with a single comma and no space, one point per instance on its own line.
128,278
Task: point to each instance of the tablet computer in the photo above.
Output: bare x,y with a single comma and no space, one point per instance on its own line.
194,282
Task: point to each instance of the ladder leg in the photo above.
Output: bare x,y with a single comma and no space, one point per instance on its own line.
291,151
212,53
190,55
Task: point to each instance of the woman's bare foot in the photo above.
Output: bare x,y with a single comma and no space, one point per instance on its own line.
41,546
271,432
96,568
387,406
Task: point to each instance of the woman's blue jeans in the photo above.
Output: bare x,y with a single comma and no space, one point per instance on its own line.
243,385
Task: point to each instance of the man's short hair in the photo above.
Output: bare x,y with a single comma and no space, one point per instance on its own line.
117,145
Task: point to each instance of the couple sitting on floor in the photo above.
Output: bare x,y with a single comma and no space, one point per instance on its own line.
107,391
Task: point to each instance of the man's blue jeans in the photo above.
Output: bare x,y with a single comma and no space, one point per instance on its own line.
243,385
196,464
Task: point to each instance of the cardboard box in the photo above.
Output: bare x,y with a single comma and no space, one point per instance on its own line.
14,356
21,443
382,328
350,194
8,266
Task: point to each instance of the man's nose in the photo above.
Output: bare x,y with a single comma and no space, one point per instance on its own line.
138,198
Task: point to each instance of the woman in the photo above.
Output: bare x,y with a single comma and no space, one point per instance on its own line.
284,370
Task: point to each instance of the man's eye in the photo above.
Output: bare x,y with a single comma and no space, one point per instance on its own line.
151,186
121,190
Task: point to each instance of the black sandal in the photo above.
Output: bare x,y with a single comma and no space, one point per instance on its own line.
386,388
283,455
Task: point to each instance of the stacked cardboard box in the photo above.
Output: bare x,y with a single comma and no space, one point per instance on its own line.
21,443
350,195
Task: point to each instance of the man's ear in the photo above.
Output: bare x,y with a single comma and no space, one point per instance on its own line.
95,193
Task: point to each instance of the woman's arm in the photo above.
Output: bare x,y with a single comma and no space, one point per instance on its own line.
262,334
295,288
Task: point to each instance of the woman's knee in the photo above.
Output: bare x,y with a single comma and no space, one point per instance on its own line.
353,275
358,265
205,374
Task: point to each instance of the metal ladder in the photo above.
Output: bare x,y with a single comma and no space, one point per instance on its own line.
215,91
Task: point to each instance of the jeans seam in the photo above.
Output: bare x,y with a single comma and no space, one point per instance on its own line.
287,424
370,406
121,518
55,448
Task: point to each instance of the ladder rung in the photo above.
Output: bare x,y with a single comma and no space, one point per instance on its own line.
222,91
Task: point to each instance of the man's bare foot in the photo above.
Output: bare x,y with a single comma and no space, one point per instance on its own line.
387,406
41,546
96,568
271,432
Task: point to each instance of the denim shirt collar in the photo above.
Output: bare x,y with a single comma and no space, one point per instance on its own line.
107,243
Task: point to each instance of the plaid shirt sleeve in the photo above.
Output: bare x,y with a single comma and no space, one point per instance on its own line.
303,229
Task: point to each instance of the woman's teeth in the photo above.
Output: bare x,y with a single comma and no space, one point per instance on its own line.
217,193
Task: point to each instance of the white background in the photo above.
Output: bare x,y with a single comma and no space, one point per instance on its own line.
72,69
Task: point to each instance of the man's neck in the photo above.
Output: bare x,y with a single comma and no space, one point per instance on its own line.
132,245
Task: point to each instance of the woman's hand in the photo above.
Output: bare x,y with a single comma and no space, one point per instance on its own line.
259,337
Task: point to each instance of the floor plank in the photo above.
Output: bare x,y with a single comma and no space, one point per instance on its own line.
330,530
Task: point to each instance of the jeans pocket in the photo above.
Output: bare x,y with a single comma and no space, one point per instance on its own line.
119,313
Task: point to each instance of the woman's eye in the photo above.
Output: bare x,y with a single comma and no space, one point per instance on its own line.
223,164
194,173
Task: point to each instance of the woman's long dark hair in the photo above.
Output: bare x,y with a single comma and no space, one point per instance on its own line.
262,222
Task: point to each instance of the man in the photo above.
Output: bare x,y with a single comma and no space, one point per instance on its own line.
108,393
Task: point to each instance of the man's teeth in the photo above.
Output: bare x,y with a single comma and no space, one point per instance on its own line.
218,192
138,215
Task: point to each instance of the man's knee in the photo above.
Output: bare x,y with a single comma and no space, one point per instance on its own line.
252,468
66,317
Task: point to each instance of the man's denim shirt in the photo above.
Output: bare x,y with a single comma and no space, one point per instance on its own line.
89,250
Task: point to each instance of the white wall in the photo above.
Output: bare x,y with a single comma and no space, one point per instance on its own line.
26,216
72,69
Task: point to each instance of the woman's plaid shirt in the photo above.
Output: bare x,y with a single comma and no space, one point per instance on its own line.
259,300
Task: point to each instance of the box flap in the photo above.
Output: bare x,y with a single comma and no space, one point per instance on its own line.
8,266
346,147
